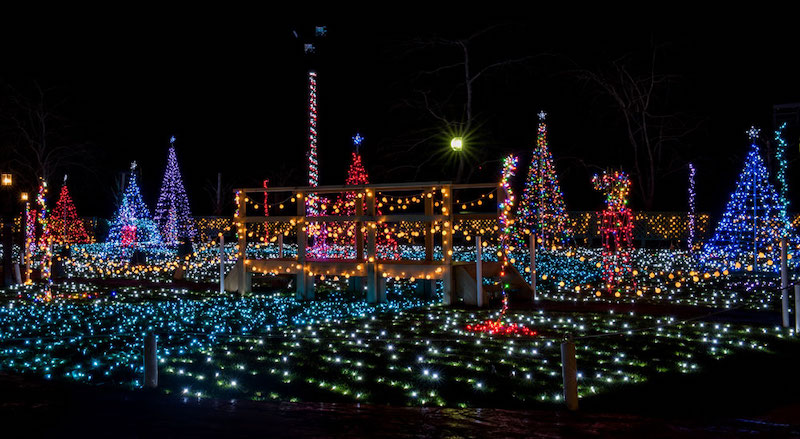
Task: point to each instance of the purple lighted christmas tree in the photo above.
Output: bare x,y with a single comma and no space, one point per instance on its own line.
172,214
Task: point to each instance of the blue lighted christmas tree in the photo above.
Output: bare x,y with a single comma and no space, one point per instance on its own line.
132,224
172,214
748,235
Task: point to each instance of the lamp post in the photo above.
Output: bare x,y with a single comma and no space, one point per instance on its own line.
457,145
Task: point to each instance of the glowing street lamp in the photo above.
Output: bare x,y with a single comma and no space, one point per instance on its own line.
6,179
23,196
457,144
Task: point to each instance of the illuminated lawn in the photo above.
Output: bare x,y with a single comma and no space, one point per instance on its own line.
402,353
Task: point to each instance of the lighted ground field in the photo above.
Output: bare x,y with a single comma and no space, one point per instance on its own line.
338,349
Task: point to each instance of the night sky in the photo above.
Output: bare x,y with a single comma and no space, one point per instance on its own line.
232,87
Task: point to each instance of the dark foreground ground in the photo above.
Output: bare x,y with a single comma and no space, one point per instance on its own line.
747,396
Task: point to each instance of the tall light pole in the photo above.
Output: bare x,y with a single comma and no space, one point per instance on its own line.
6,183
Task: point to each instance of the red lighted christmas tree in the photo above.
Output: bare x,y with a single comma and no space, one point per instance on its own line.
344,234
65,225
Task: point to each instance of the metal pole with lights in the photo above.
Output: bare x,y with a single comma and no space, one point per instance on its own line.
6,181
26,246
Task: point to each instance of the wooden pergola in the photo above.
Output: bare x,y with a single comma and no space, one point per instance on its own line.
366,263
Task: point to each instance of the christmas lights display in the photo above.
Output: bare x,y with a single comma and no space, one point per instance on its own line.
783,187
45,246
312,200
265,183
691,215
315,205
31,216
748,235
132,225
65,225
408,350
344,234
616,225
542,210
172,214
269,347
498,326
506,220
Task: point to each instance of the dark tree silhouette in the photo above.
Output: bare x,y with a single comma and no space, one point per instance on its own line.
444,97
641,96
38,140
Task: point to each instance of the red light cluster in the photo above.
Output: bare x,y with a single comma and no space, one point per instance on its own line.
496,327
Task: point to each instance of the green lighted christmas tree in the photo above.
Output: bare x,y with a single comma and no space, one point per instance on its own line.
542,210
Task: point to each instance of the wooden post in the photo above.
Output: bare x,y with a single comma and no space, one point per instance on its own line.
302,242
26,245
150,361
310,281
532,239
478,271
280,245
372,274
17,274
360,225
796,309
221,263
784,284
447,245
381,293
428,228
569,373
240,262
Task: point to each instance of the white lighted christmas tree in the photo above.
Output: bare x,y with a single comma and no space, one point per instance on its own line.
172,213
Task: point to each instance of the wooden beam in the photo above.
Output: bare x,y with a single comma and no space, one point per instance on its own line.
393,187
447,245
387,268
302,242
428,226
372,274
242,233
359,224
396,218
422,186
